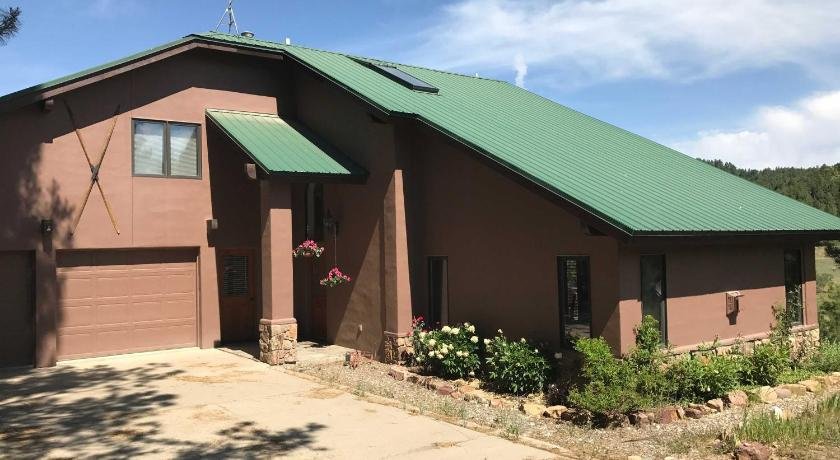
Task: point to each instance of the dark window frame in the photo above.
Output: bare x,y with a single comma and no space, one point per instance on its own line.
443,315
800,316
663,319
562,283
167,153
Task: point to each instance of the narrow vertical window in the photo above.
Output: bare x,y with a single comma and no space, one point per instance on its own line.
183,150
793,284
654,293
438,291
575,299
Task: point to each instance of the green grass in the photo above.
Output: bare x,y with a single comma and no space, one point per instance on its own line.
826,264
817,426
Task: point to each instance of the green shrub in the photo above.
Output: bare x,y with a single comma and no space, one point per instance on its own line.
450,352
648,351
516,367
829,317
702,378
610,382
826,358
765,364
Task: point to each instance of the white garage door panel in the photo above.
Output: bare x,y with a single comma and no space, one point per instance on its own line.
126,301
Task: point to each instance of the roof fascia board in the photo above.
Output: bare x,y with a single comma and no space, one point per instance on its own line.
701,238
34,94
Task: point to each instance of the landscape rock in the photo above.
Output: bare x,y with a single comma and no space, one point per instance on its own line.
795,389
715,404
478,396
554,411
752,451
766,394
532,409
456,395
827,381
668,414
693,412
737,398
812,386
783,393
634,457
577,416
445,389
611,420
639,418
398,373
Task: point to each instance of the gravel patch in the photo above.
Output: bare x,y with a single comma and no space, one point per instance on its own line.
683,439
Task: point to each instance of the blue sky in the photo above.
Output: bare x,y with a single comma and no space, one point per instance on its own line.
756,82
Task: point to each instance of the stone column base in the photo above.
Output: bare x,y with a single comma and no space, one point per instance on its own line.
398,347
278,341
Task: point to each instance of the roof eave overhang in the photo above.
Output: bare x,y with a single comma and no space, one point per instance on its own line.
292,176
706,237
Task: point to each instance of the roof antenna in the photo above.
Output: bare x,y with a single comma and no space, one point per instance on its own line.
231,19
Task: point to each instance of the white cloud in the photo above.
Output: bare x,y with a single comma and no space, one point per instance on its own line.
804,134
587,41
521,68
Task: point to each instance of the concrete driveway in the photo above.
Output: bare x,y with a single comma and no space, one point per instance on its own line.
210,403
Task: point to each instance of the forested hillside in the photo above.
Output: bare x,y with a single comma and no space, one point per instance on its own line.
817,186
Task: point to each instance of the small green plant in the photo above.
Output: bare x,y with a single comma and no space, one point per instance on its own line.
516,367
610,381
826,358
704,377
648,359
450,352
766,363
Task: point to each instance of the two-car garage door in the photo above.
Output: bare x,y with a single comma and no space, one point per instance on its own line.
122,301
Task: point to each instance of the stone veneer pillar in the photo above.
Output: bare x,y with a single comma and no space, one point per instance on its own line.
278,327
397,340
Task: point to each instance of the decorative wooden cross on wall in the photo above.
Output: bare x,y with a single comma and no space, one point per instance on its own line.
94,169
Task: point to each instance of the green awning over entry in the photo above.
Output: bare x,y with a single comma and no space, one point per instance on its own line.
281,147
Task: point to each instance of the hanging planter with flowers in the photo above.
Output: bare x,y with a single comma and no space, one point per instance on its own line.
308,248
335,277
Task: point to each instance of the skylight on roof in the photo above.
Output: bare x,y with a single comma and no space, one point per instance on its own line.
403,78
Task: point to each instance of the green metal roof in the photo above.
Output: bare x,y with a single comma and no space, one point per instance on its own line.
634,184
637,185
280,147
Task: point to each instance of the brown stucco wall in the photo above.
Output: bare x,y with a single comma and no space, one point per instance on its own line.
45,173
502,242
698,278
355,311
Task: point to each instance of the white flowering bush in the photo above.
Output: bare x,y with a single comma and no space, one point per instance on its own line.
450,352
514,366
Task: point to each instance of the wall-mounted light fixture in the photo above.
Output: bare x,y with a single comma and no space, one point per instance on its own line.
47,226
47,104
212,224
251,171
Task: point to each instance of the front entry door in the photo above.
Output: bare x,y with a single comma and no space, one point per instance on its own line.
237,295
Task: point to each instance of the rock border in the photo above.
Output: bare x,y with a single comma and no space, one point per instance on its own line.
471,391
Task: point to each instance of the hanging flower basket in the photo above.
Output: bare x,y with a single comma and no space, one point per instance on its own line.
308,248
334,278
